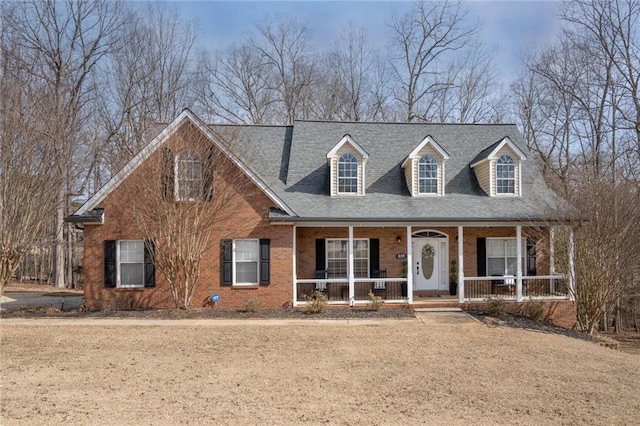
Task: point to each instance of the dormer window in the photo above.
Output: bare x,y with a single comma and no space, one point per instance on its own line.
188,176
424,169
347,174
347,163
428,174
505,175
499,169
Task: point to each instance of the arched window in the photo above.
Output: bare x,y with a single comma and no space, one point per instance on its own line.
428,174
505,175
348,174
188,176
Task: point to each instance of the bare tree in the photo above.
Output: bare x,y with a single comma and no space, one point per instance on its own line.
284,48
147,79
61,44
184,199
28,178
422,39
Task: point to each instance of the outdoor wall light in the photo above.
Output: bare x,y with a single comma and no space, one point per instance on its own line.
398,239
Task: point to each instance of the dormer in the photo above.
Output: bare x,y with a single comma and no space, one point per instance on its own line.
424,169
499,169
347,161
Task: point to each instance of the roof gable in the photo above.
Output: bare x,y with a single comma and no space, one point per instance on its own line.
346,139
428,140
491,152
184,117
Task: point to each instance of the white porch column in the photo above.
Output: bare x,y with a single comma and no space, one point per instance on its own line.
409,261
572,265
460,264
552,250
295,271
519,263
352,292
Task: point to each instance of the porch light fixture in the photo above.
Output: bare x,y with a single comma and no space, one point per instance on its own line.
398,239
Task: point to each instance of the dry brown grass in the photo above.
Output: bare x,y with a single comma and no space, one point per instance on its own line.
399,372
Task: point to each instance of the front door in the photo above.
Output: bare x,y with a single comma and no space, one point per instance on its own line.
429,264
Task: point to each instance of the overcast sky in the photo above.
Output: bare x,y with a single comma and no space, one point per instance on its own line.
509,27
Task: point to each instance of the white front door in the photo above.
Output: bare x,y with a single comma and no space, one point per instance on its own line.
430,264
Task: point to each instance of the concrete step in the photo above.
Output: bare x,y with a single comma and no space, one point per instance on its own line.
438,309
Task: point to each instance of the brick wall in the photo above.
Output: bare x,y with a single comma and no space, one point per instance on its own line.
247,219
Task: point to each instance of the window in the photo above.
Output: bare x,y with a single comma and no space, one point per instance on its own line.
505,175
188,176
347,174
338,262
502,256
131,263
246,261
428,174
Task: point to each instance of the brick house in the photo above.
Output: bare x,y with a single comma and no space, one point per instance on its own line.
347,208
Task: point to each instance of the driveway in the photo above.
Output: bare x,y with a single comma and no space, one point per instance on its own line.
62,300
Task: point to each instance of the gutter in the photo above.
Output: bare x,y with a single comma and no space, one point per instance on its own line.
92,217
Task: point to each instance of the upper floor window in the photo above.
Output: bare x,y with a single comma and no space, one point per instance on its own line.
505,175
348,174
428,174
188,176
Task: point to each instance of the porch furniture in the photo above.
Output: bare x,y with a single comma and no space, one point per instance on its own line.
379,288
505,282
321,274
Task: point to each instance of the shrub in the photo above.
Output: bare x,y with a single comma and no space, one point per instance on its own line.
250,305
537,311
375,301
317,302
497,308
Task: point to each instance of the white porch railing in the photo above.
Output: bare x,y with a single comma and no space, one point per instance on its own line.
338,290
505,287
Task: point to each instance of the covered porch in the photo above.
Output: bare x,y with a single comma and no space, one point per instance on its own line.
351,263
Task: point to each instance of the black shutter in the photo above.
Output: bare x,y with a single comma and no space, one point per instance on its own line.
149,265
168,174
207,174
320,255
265,269
374,255
481,251
110,269
226,262
531,257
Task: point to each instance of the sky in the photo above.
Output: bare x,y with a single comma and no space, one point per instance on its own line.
509,28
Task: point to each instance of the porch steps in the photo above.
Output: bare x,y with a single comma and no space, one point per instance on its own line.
442,309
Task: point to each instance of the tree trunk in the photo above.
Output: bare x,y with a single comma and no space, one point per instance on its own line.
59,248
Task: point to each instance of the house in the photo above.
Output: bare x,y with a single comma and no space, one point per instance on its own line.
398,209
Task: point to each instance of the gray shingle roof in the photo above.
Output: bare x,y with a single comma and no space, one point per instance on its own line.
292,161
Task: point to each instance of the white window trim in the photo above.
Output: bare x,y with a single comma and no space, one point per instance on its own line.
358,180
438,183
517,186
118,269
176,174
233,263
523,258
326,256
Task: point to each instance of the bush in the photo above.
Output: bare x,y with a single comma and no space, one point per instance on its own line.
537,311
250,305
375,301
317,302
497,308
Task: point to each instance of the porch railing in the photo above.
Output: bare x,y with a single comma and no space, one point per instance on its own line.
505,287
337,289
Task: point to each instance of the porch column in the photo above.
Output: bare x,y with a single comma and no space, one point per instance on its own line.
572,265
352,293
460,264
519,263
295,271
409,261
552,250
